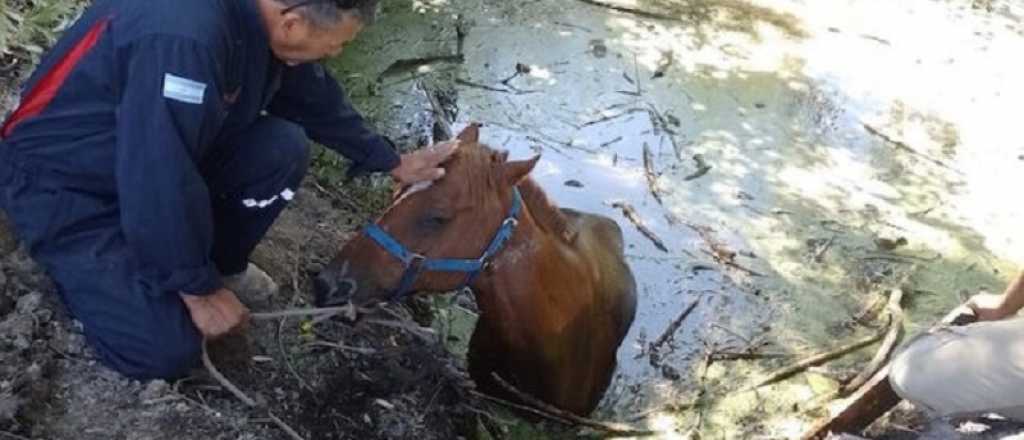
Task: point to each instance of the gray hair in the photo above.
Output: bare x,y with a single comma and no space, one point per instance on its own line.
327,13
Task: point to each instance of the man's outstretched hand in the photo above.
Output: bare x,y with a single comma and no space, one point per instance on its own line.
424,164
216,314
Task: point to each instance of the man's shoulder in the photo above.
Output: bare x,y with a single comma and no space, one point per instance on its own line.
203,21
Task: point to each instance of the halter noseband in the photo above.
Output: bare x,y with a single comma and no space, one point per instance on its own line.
415,263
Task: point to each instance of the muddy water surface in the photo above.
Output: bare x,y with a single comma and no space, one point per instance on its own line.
799,142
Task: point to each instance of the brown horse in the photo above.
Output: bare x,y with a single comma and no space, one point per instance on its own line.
556,298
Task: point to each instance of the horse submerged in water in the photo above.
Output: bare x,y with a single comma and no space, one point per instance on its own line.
555,294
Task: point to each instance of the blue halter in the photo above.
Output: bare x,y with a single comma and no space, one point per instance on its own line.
415,264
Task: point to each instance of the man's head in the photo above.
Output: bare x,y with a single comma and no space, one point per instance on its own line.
308,30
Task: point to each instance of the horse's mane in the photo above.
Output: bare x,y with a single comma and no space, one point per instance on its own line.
547,215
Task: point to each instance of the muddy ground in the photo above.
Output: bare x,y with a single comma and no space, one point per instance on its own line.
808,139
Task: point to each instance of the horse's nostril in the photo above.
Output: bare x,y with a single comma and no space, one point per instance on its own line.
322,287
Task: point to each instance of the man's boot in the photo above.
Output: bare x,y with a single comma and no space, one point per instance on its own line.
253,286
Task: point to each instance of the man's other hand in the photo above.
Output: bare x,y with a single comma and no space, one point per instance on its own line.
424,164
216,314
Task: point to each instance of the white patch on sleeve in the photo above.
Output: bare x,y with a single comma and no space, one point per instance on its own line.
183,89
287,195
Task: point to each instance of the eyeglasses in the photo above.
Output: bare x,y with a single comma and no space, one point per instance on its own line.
341,4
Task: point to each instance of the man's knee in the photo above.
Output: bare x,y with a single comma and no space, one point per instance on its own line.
904,373
166,354
289,147
924,375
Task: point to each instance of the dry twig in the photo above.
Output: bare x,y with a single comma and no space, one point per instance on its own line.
342,347
284,426
224,381
317,312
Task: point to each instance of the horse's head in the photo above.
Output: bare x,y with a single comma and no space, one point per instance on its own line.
454,218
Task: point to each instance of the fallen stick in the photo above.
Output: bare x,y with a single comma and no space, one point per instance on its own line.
212,369
817,359
735,356
442,126
610,428
607,143
284,426
469,83
477,85
342,347
613,117
652,178
659,122
630,213
876,397
300,312
405,65
628,10
12,435
673,326
903,146
732,263
888,344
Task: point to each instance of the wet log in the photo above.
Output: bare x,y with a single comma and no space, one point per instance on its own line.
888,344
875,398
817,359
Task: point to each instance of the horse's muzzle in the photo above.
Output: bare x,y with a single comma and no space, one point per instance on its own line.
333,286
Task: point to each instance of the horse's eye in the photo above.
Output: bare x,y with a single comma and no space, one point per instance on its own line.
435,220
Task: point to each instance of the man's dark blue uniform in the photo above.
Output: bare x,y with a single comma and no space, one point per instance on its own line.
153,148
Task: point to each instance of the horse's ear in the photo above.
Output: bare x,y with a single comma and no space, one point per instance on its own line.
470,134
517,170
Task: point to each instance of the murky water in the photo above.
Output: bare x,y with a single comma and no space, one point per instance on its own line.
794,135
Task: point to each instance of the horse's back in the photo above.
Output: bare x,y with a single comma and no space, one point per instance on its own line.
600,238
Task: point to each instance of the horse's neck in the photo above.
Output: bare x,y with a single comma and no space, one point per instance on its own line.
507,290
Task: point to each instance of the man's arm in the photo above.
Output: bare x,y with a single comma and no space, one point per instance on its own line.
310,97
991,307
169,110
